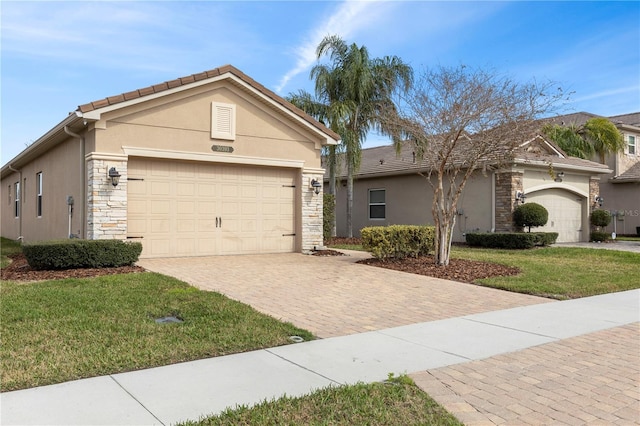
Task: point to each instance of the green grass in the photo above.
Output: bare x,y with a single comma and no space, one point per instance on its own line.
357,247
626,238
62,330
395,402
7,248
561,272
557,272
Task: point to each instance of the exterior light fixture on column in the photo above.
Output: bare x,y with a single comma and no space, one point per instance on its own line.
114,176
599,200
520,197
316,185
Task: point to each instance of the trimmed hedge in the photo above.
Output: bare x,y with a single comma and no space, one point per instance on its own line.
600,218
530,215
600,236
328,214
398,241
511,240
68,254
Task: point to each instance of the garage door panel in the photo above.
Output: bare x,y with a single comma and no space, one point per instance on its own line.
189,208
565,213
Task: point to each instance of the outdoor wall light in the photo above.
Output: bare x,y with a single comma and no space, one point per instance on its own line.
599,200
315,185
559,177
114,176
520,197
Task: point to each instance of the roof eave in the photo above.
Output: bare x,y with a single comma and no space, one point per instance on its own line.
44,143
540,163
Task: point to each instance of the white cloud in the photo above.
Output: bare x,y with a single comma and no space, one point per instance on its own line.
348,19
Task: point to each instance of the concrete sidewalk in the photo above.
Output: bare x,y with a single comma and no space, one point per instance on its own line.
186,391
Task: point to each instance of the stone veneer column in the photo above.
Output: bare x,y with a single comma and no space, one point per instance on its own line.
311,211
507,184
106,204
594,191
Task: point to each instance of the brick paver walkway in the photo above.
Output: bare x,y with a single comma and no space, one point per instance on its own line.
589,379
334,296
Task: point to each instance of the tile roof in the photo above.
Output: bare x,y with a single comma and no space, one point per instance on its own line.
184,81
384,160
579,118
631,175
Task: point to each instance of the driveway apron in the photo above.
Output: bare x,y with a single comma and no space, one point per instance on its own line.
334,295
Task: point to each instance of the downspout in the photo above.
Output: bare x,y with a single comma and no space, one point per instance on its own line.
493,202
84,180
20,236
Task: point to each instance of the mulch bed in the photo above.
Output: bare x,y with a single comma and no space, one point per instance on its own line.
19,270
461,270
467,271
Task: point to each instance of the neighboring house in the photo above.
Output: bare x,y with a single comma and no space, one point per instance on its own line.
390,189
620,191
213,163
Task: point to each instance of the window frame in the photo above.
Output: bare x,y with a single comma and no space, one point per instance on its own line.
39,194
16,201
376,204
631,145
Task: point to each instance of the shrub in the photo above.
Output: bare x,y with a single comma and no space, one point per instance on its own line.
511,240
530,214
398,241
600,218
599,236
328,214
67,254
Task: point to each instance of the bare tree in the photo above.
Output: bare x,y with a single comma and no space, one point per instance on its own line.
461,120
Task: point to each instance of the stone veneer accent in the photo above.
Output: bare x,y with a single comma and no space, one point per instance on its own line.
594,191
106,205
311,213
507,184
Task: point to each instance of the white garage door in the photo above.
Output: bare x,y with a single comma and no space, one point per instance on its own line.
180,208
565,213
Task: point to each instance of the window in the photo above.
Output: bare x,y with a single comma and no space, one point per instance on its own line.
16,201
377,205
631,144
223,121
39,194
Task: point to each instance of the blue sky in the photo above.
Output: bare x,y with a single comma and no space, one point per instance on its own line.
58,55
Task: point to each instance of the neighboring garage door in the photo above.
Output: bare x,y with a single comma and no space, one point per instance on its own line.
181,208
565,213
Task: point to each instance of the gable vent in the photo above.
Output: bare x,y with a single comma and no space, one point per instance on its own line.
223,121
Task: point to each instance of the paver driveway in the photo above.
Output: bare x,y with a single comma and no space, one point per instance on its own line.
333,295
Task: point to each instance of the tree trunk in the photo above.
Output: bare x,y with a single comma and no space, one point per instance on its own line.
332,186
349,196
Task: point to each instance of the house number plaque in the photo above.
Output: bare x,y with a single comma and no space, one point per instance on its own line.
221,148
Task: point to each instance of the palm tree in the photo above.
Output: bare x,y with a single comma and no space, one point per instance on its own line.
597,136
358,88
569,140
603,135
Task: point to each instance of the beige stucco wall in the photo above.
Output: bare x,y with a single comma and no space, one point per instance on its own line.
408,202
182,122
172,125
61,169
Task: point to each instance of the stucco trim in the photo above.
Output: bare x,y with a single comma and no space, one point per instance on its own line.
312,170
211,158
556,186
105,156
563,166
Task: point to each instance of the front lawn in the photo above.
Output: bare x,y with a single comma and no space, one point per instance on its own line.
561,272
61,330
395,402
556,272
